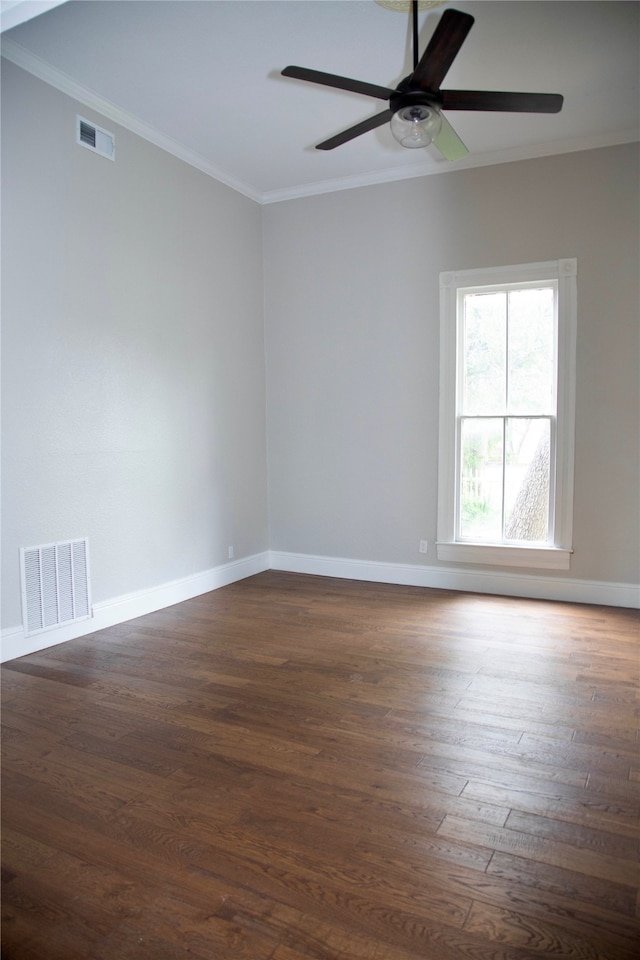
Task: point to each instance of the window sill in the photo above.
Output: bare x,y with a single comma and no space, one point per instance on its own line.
505,555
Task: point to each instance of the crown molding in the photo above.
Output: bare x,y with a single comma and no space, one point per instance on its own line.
514,155
23,58
28,61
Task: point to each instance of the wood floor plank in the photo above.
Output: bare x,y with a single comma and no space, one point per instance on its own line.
305,768
619,846
552,852
584,891
573,805
515,887
516,929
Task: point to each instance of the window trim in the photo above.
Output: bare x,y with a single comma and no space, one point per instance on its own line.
554,556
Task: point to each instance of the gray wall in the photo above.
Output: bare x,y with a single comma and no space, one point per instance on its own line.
134,311
133,354
352,331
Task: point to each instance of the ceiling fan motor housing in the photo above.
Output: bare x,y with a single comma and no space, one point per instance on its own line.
413,98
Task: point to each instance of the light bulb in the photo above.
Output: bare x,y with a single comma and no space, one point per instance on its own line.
416,125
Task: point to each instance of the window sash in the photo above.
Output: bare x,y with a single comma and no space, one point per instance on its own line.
506,288
505,418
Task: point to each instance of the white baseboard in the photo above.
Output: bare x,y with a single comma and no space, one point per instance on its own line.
108,613
472,581
15,643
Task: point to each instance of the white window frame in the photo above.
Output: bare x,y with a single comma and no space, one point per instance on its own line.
557,554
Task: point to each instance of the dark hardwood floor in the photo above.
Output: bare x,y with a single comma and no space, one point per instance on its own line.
294,767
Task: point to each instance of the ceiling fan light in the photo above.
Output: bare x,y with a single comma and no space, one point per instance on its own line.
416,125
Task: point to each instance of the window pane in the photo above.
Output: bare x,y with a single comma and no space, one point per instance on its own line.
485,326
481,479
527,479
531,351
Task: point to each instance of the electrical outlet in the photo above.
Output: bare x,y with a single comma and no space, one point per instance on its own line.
423,546
230,553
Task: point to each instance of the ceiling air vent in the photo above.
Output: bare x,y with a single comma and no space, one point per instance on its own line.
95,138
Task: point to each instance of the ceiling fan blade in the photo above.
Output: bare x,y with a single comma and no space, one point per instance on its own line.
501,100
442,50
449,143
370,124
342,83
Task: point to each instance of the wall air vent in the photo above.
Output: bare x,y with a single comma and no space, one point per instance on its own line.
55,584
95,138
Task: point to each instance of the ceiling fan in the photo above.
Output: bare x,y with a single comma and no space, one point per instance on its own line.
416,104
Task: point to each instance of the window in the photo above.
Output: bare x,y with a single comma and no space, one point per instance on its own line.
507,365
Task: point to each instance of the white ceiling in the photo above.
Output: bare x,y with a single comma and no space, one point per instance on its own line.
201,78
